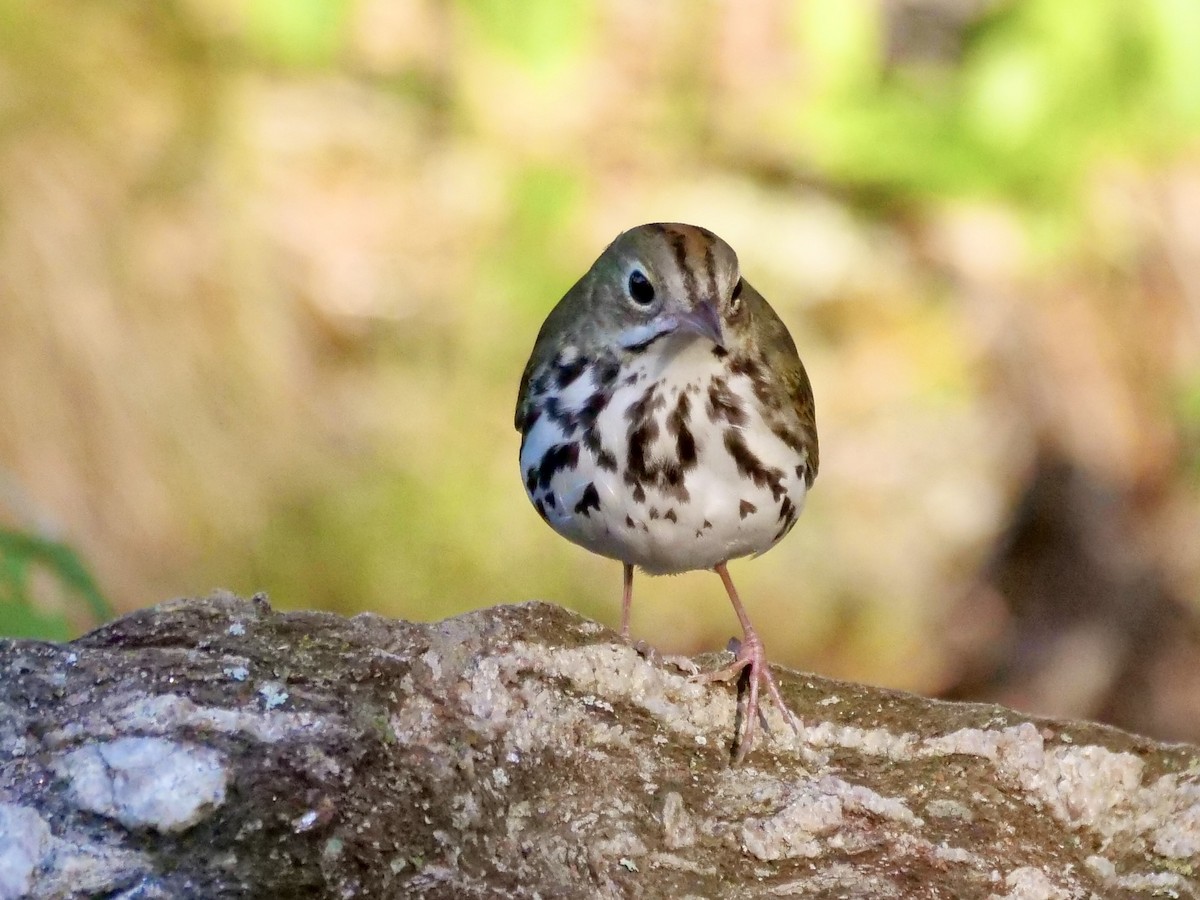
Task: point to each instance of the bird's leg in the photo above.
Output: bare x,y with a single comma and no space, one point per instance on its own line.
750,657
647,652
626,600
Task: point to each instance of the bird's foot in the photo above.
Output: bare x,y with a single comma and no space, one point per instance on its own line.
646,651
749,657
684,664
657,658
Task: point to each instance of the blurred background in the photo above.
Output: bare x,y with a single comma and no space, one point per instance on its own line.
270,270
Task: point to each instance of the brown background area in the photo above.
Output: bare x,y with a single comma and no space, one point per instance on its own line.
269,272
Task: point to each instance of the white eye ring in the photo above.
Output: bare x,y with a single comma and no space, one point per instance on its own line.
735,299
639,288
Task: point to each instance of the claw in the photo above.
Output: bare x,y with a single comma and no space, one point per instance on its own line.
647,652
750,658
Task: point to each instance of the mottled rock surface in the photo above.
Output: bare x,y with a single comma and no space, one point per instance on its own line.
216,748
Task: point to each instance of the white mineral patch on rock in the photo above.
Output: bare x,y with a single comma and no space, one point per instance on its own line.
679,830
1101,867
1178,836
868,741
1028,883
1157,884
814,809
24,841
949,809
1089,786
619,673
145,782
164,714
273,694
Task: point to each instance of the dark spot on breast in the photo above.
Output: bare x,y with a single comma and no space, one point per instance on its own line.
637,467
589,501
800,470
591,440
551,500
793,437
555,460
745,365
786,508
593,406
685,446
653,513
677,425
532,414
541,508
628,522
531,478
639,495
707,525
588,415
566,373
719,352
745,508
670,516
550,406
724,404
606,372
757,372
751,466
640,409
789,519
667,475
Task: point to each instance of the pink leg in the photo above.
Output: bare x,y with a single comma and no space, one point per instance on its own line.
750,655
626,600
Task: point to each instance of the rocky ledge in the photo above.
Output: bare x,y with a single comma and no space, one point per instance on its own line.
217,748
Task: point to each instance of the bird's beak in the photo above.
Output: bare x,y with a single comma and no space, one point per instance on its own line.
703,320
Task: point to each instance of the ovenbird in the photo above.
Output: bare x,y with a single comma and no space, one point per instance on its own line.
667,422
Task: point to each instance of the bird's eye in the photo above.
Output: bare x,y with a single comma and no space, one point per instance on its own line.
735,299
640,289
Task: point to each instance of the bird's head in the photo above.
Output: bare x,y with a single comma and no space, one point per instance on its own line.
664,279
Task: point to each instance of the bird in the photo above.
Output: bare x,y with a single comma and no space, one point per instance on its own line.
667,422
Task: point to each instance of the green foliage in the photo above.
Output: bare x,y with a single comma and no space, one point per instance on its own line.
1187,410
25,562
1041,89
541,34
542,201
299,33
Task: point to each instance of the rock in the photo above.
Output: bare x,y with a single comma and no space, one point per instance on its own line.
217,748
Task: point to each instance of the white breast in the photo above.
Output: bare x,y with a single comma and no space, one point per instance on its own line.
683,517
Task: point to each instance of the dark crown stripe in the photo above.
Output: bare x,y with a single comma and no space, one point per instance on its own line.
679,245
710,271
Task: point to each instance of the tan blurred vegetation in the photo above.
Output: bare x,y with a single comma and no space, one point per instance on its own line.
269,271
